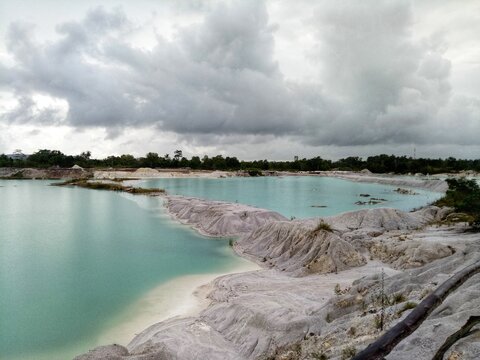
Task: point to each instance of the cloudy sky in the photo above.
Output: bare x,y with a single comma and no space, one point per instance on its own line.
250,78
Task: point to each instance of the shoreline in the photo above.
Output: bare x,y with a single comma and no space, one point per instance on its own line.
182,296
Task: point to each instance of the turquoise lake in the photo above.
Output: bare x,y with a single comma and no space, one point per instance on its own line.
72,259
297,196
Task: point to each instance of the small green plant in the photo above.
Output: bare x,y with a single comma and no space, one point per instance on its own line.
231,242
407,306
348,352
352,331
319,356
378,321
328,318
337,290
398,298
322,225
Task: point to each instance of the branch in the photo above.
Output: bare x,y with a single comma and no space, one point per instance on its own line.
387,342
460,334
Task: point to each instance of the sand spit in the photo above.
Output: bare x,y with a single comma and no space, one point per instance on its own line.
289,309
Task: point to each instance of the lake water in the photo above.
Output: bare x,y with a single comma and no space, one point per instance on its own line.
297,196
72,260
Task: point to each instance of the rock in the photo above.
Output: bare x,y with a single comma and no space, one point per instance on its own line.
109,352
405,191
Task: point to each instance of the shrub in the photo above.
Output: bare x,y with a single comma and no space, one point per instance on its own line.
254,172
348,352
464,196
337,290
322,225
319,356
398,298
408,305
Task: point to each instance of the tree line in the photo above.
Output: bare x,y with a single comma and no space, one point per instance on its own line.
377,164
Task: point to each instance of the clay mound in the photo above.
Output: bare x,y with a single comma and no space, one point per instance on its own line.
385,219
217,218
298,248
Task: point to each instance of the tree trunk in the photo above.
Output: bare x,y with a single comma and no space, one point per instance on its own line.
385,344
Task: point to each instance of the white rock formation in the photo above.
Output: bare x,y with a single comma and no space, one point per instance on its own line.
260,313
217,218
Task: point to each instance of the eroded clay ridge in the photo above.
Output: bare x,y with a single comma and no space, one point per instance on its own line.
289,308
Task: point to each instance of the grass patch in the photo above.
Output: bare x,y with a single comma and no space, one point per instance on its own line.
408,305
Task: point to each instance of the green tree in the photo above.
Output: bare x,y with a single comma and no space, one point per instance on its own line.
463,195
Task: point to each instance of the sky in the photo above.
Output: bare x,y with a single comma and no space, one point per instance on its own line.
248,78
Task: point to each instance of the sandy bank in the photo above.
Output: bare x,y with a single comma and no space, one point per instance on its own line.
180,297
146,173
436,184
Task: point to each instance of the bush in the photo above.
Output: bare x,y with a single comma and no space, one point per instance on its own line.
254,172
322,225
319,356
464,196
398,298
348,352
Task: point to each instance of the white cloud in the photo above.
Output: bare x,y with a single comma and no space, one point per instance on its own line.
219,75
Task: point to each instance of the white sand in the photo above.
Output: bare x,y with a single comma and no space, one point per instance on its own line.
182,296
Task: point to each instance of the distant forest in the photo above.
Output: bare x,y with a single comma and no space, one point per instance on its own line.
377,164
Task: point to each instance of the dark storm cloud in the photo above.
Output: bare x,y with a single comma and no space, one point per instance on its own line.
378,83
